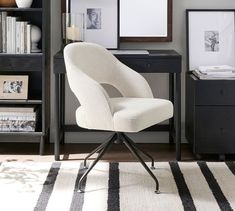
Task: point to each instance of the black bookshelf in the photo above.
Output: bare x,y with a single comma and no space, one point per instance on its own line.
36,66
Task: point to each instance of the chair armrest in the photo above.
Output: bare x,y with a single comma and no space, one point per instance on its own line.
92,97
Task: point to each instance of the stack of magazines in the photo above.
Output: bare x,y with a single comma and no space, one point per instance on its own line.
215,72
17,119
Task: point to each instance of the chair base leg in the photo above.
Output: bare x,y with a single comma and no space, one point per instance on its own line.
138,149
133,150
99,148
103,150
119,138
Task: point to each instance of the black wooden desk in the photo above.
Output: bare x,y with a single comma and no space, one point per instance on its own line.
156,61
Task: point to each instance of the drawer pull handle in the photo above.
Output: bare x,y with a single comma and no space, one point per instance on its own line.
222,92
148,65
222,130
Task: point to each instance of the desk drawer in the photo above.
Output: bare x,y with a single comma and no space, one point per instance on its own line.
139,65
216,92
150,65
169,65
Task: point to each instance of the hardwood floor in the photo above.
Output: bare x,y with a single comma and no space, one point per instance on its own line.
76,152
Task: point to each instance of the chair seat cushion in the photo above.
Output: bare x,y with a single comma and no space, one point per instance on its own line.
136,114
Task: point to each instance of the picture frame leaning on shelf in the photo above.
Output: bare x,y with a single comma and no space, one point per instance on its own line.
211,37
14,87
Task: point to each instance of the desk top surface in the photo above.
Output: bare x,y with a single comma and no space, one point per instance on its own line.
142,61
135,53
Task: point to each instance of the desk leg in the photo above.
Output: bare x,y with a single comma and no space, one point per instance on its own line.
57,119
62,104
178,116
171,98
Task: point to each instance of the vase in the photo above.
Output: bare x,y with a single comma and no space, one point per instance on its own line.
24,3
73,27
7,3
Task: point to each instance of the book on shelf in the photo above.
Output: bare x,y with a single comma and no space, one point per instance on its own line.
0,31
15,35
17,125
223,72
3,32
28,44
18,119
17,109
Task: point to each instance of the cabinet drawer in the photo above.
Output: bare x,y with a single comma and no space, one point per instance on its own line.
215,129
216,92
21,63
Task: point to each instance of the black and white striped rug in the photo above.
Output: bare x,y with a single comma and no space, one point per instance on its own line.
186,186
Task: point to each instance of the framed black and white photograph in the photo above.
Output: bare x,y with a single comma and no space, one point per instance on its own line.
211,41
13,86
93,20
211,38
101,21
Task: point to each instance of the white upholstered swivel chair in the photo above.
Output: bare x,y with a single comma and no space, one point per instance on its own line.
88,66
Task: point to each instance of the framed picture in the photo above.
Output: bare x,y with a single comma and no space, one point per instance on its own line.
100,20
210,38
145,21
13,87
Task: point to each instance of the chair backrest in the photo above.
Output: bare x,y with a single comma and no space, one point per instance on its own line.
93,60
99,64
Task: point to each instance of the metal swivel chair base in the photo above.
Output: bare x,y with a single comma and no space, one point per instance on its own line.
118,138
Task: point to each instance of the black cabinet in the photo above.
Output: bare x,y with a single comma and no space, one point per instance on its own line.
36,66
210,115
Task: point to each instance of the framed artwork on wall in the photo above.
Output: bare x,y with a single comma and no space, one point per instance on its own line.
13,87
100,20
145,21
210,38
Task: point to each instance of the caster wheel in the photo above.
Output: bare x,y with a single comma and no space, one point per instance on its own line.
157,191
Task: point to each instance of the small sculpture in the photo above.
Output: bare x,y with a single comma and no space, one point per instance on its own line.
36,35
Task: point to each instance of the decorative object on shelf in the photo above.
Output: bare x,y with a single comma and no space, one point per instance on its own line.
7,3
24,3
36,35
211,38
14,86
101,21
73,27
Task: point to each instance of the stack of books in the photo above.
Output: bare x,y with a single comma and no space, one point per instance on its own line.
15,35
17,119
215,72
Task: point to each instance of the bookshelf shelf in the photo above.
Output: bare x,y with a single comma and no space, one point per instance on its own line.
21,133
14,9
35,65
20,55
21,102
